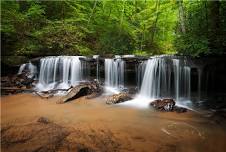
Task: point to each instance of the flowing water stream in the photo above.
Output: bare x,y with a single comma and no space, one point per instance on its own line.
114,74
157,77
60,72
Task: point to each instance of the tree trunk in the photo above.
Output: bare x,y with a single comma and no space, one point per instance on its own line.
94,6
182,16
156,20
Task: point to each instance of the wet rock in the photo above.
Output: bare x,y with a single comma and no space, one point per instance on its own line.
163,105
16,83
83,89
94,95
5,81
179,109
167,105
118,98
24,79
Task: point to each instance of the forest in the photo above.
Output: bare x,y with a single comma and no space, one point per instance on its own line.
140,27
113,76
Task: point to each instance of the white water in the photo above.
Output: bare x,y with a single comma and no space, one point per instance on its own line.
162,75
156,76
176,69
21,69
140,69
138,102
114,74
164,78
59,72
32,70
97,67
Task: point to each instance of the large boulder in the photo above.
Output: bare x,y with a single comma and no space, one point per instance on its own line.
179,109
167,105
118,98
163,104
83,89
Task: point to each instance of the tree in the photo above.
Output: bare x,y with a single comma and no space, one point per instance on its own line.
38,28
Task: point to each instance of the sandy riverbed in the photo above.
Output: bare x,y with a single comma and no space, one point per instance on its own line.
91,125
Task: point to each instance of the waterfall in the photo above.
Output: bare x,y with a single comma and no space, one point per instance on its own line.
199,83
21,69
114,73
155,79
187,82
97,67
140,69
29,68
176,70
166,77
59,72
76,71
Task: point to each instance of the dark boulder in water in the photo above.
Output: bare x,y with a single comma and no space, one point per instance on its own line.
163,105
179,109
118,98
167,105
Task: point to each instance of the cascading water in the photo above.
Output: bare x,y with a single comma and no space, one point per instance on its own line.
114,73
156,77
182,79
21,69
140,69
176,70
30,68
59,72
199,83
97,67
163,75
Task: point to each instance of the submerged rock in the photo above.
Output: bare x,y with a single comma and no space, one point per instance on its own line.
167,105
118,98
43,120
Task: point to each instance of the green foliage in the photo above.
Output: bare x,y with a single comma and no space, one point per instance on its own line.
140,53
38,28
204,29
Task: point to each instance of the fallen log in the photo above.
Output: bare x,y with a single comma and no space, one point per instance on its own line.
46,96
50,93
42,94
76,92
94,95
89,89
56,90
14,88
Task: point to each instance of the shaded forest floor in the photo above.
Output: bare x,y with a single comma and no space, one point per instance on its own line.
33,124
